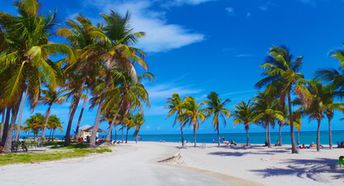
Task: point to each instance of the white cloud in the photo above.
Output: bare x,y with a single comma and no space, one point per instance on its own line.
163,91
230,11
160,35
187,2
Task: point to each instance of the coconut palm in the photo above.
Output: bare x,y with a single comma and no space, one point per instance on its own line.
26,57
267,112
281,70
139,121
244,113
50,97
217,108
85,99
86,39
175,106
117,53
54,123
34,123
194,113
129,122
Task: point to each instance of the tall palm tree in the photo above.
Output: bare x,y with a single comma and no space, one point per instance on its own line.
217,108
176,106
281,70
50,97
195,114
85,99
267,113
26,58
117,53
244,113
86,40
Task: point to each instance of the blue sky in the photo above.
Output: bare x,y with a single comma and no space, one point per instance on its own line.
198,46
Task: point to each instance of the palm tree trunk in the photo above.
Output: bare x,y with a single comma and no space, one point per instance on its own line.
2,123
182,135
280,134
70,121
218,135
52,135
21,109
96,124
108,136
6,125
8,143
46,118
293,147
126,136
268,133
122,133
115,133
194,131
77,132
318,135
329,133
247,136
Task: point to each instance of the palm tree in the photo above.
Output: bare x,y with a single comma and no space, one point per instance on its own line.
244,113
50,96
34,123
128,94
322,103
85,38
217,108
129,122
138,120
117,53
267,113
336,80
26,58
176,106
281,71
194,114
54,123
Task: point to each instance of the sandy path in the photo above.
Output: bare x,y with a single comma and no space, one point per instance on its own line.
128,165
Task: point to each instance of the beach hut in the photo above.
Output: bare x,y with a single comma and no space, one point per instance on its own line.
86,131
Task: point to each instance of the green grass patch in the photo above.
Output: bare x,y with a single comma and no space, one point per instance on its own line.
14,158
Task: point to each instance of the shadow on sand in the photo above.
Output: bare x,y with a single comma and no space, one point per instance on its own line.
306,168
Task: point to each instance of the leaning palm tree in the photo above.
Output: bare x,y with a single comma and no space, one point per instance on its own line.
86,40
195,114
175,106
50,97
26,57
282,70
217,108
118,53
244,113
138,120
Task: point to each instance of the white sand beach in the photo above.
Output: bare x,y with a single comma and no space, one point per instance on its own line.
138,164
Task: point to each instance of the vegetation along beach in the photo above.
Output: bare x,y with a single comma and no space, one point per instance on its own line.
173,92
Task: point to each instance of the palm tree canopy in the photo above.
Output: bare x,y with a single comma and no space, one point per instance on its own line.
244,113
217,108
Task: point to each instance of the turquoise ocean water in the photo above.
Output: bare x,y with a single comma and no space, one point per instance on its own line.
306,137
